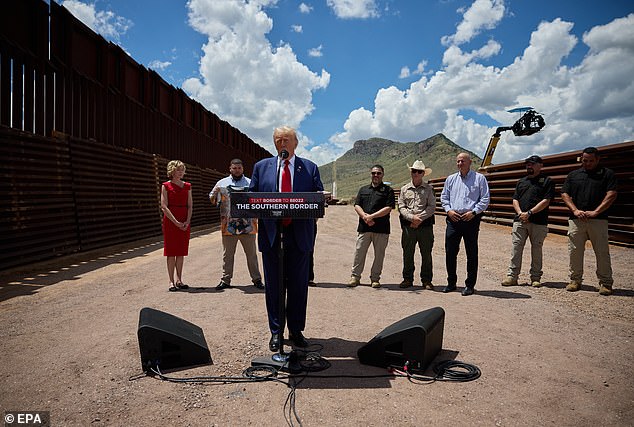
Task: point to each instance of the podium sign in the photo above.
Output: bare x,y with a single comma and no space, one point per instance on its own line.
277,205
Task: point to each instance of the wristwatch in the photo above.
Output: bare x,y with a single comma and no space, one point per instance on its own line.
474,212
529,212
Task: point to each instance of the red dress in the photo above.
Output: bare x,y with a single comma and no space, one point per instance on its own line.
175,240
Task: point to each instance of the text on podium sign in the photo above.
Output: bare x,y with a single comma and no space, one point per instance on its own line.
277,205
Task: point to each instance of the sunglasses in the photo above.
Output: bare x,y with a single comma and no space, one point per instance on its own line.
417,171
376,173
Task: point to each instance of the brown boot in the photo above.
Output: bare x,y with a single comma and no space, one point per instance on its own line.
509,281
573,286
605,290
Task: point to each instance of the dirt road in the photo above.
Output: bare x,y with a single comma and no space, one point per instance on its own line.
68,340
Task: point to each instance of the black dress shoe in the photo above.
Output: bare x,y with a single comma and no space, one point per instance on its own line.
274,344
222,285
449,288
259,284
298,339
467,291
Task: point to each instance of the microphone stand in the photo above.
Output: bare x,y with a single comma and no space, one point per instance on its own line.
280,357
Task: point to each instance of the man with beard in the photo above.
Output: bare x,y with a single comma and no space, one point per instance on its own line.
235,230
531,200
589,192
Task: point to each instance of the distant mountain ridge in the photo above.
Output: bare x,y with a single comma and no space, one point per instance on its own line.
353,168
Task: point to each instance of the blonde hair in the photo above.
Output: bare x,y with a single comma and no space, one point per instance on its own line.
285,131
172,166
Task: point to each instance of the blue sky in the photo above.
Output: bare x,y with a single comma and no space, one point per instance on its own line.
344,70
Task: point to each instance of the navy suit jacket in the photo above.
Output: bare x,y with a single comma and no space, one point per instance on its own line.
305,179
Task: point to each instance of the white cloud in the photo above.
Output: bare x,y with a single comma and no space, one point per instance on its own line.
455,58
602,85
106,23
297,28
483,14
304,8
354,9
159,65
244,79
587,104
406,72
316,51
420,68
619,34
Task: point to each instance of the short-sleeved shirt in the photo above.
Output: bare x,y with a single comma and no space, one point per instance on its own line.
588,188
529,192
413,200
232,226
373,199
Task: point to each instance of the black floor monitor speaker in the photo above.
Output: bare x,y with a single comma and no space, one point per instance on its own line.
169,342
416,339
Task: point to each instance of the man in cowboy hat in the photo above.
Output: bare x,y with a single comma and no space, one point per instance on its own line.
417,204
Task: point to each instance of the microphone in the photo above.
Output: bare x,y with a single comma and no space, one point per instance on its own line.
283,156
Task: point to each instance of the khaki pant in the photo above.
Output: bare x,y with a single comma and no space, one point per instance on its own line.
521,232
229,244
379,243
595,230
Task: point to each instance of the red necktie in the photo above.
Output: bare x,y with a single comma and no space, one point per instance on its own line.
286,186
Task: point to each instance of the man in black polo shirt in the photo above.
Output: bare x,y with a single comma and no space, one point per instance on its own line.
589,192
373,205
530,201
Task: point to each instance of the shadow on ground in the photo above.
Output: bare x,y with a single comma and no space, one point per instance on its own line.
28,279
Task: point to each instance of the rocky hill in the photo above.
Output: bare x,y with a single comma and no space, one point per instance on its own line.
352,169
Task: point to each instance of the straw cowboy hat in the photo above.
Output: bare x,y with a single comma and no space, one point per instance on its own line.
418,165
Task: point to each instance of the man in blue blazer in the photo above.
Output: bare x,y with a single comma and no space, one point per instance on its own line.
298,237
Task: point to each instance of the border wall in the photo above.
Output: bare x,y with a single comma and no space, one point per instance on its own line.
67,195
85,136
58,76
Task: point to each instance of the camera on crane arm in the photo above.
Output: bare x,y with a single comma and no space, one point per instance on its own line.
531,122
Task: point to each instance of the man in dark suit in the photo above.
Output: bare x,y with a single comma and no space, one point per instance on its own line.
298,235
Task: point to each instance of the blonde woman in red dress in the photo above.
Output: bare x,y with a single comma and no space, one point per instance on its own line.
176,204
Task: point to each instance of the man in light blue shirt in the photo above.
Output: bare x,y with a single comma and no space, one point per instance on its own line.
465,196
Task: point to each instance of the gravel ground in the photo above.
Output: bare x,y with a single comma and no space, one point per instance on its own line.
548,357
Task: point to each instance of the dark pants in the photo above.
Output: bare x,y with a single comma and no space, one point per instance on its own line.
295,282
423,236
456,231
